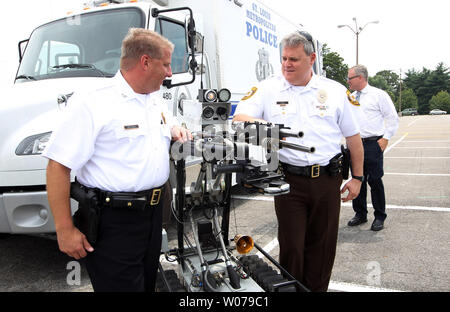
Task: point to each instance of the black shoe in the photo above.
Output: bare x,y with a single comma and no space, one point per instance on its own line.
356,221
377,225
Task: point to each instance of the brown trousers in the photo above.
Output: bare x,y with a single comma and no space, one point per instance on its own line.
308,222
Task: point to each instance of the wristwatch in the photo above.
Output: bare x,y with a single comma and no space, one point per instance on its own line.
360,178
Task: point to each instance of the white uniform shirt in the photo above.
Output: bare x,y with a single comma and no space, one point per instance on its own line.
376,113
320,109
114,139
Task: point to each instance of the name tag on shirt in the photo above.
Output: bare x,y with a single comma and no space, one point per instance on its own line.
283,105
130,127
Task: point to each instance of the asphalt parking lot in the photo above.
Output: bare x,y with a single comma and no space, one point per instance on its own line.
410,254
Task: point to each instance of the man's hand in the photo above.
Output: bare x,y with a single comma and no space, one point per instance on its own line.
353,186
356,148
73,243
383,143
70,240
180,134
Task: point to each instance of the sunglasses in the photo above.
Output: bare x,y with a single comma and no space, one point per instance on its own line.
350,78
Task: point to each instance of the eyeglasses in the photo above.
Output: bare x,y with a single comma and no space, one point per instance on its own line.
350,78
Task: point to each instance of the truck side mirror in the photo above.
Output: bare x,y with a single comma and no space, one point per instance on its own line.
191,40
191,33
22,46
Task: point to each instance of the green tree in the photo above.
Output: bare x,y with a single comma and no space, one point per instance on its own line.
441,101
419,82
408,100
384,81
334,66
439,79
392,80
427,83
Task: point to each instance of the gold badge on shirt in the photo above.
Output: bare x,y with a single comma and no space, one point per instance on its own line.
322,96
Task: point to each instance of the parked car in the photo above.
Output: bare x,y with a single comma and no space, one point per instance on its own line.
437,111
409,112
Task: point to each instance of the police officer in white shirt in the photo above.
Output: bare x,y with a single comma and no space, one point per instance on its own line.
117,138
308,217
378,121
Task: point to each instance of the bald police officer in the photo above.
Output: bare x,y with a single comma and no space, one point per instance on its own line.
308,217
116,138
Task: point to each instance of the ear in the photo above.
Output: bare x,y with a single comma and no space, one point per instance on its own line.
313,58
145,62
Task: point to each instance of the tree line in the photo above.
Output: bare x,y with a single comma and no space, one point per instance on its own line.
421,89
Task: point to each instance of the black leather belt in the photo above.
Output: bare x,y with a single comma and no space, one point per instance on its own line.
131,200
373,138
313,171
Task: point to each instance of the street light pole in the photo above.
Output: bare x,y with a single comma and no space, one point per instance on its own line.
357,47
357,30
400,93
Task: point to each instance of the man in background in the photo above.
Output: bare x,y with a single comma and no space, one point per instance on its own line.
378,122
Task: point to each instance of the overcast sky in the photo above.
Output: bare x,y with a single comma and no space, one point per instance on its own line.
410,33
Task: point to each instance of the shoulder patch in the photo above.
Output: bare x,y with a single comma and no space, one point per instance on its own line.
352,99
249,94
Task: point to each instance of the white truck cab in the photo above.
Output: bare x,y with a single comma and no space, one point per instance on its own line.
62,56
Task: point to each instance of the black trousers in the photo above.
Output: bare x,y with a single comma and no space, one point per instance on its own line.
126,255
308,222
373,173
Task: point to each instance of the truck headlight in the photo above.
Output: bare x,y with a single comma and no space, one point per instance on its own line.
33,145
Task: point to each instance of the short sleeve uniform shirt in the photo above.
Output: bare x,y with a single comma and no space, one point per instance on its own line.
114,139
320,109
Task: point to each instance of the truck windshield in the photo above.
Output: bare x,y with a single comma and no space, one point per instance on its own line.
87,45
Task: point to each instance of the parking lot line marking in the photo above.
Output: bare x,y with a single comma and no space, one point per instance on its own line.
269,199
432,197
269,247
248,197
430,141
420,147
419,174
442,209
413,122
410,157
397,142
348,287
338,286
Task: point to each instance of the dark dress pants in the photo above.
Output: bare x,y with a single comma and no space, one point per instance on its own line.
126,255
308,222
373,173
